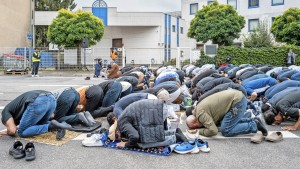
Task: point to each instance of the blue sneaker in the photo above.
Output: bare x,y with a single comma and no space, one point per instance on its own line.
202,145
186,148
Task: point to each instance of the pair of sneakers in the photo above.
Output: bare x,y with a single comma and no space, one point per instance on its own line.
192,147
18,152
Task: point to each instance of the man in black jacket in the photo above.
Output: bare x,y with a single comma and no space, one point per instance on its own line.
143,124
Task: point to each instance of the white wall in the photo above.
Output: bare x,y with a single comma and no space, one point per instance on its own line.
265,11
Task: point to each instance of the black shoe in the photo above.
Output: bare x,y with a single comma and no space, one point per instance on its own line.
17,150
55,125
260,126
60,134
29,151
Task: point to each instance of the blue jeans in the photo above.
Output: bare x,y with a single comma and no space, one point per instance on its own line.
66,107
126,92
35,119
35,68
233,125
112,95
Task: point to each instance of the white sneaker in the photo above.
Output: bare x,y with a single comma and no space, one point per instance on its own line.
37,76
93,141
32,75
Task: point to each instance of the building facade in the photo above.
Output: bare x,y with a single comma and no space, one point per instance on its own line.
254,11
15,21
148,37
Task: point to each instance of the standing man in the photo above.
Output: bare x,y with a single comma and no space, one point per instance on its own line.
114,55
291,58
35,62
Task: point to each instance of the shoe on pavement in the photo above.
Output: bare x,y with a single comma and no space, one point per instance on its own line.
260,126
186,148
94,141
32,75
29,151
17,150
202,145
274,137
257,138
36,76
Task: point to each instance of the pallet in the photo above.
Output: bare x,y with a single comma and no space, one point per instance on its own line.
15,72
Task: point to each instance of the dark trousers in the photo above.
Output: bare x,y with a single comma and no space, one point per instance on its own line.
94,96
66,107
112,95
35,68
126,92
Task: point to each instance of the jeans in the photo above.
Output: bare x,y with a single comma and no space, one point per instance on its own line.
35,68
233,125
126,92
35,119
66,107
94,96
112,95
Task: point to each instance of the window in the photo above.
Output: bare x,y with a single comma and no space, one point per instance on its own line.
253,3
181,30
277,2
193,8
232,3
253,24
173,28
210,2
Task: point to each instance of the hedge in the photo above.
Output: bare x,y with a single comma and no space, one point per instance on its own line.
267,55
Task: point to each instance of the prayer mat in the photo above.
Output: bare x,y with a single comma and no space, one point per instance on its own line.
159,151
50,138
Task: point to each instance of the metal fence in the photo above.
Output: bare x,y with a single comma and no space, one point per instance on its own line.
73,58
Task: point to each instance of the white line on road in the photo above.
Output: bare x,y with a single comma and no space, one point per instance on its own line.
56,85
285,134
1,93
2,107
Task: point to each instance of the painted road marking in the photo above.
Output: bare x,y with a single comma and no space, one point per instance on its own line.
1,93
55,85
285,134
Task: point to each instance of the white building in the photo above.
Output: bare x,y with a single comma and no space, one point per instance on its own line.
146,36
253,11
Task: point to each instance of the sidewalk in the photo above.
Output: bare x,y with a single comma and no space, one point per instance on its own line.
64,73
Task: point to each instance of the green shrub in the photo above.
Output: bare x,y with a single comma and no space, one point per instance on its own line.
267,55
204,59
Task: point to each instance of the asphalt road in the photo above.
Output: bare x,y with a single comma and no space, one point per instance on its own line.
235,152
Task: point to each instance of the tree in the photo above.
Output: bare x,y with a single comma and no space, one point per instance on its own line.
261,37
216,22
49,5
68,29
286,27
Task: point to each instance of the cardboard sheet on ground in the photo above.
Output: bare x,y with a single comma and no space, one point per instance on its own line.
85,129
50,138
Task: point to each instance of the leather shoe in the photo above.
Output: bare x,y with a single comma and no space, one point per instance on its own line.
17,150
